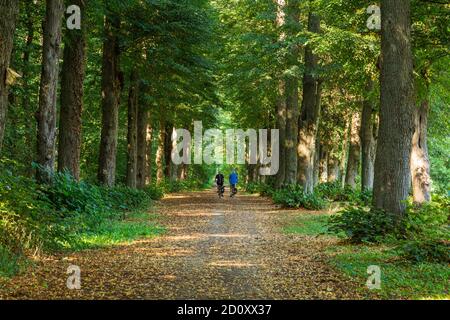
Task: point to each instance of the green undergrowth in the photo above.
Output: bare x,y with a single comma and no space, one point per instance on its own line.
401,277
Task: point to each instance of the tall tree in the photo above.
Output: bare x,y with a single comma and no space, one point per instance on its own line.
143,146
281,100
132,139
72,92
292,20
27,105
392,164
160,154
9,10
111,88
354,153
309,117
46,116
368,144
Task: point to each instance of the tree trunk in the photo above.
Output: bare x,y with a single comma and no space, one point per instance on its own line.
30,123
368,145
132,149
142,145
323,164
9,10
392,165
354,154
149,155
309,118
111,87
46,116
292,17
168,151
73,72
316,169
160,152
420,163
281,104
344,155
333,168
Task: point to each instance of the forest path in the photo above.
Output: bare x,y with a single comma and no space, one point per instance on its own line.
230,248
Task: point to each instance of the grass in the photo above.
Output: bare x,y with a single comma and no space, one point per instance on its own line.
9,263
137,225
400,279
308,224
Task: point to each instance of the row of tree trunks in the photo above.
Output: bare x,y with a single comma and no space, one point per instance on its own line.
354,153
111,88
73,73
46,115
132,136
392,164
9,10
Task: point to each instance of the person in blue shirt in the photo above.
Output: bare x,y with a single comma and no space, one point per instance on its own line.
234,179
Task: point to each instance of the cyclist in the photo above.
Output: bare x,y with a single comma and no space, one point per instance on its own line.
234,179
219,182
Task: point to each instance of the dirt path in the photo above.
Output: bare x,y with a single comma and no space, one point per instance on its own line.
214,249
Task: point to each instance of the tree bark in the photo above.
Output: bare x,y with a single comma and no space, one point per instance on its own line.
309,118
73,73
368,144
392,164
281,103
323,164
30,123
46,116
132,136
111,87
168,151
9,10
420,163
142,145
354,154
344,155
332,168
149,155
160,152
292,17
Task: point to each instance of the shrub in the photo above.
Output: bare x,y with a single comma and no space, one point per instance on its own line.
360,224
252,187
422,235
425,250
67,196
154,192
27,221
293,196
334,192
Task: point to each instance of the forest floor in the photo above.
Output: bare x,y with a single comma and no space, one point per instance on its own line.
231,248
